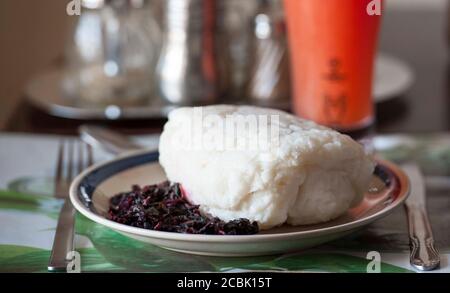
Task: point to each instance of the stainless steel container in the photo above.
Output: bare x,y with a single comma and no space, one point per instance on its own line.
187,71
268,80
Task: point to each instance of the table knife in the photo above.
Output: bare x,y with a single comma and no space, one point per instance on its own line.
424,255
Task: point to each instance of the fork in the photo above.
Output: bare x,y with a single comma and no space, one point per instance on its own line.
67,166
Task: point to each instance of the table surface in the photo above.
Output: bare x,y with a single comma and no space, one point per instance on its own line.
419,37
26,248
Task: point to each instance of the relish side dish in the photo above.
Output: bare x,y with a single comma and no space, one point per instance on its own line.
162,207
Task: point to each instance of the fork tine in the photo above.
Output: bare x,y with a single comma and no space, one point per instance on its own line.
70,163
90,155
59,168
80,165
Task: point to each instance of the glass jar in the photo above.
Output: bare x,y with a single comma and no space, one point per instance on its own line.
112,54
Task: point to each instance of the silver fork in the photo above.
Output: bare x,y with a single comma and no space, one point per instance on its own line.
67,166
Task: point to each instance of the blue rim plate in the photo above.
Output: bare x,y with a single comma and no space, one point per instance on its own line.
91,190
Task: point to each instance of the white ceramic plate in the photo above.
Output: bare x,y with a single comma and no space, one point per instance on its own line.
393,77
90,193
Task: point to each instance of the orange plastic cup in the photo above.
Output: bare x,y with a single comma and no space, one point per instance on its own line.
332,47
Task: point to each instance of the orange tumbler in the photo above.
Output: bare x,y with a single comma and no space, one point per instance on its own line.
332,46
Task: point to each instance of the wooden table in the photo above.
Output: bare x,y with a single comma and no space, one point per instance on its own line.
419,37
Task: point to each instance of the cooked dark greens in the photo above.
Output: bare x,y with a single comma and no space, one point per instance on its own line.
163,207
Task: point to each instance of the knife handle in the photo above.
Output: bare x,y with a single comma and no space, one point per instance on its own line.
424,255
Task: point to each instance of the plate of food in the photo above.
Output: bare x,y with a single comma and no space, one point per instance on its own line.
306,185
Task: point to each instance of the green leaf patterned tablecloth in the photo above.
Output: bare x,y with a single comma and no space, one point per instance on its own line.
27,223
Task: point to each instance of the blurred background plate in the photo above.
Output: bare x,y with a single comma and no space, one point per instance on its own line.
45,92
392,78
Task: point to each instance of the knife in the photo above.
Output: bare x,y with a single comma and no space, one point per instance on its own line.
109,140
424,255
